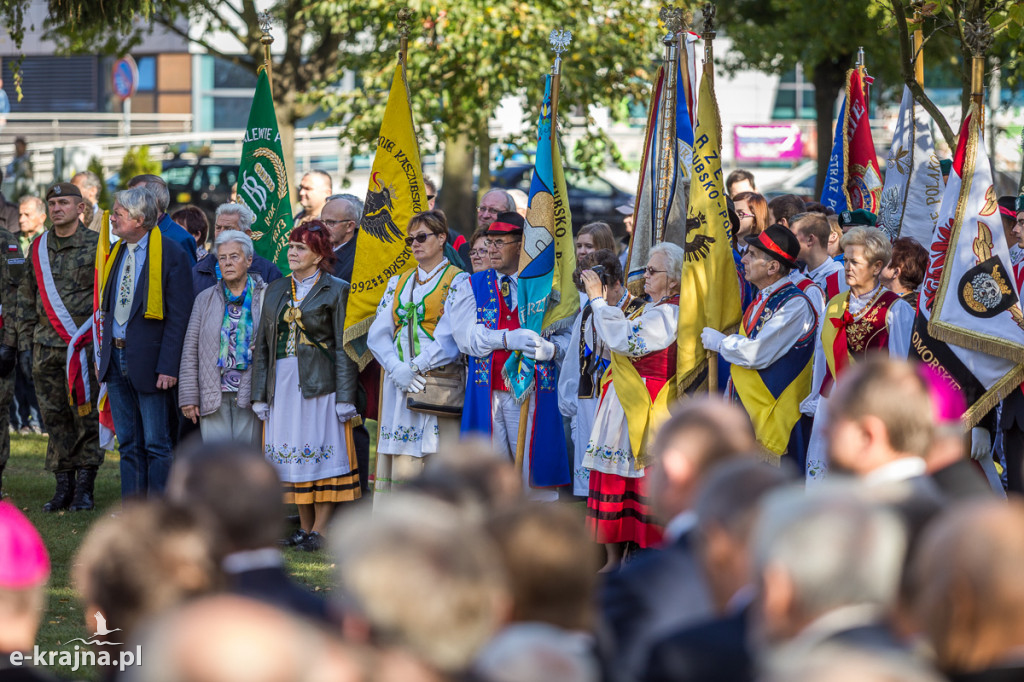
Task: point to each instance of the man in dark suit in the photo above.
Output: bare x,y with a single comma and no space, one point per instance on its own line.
144,317
341,214
663,589
249,522
717,650
170,229
206,272
828,564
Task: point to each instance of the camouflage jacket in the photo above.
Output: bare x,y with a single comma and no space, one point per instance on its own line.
12,266
72,262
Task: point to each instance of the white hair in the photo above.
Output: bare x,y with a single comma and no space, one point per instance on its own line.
675,256
236,236
245,215
837,548
510,203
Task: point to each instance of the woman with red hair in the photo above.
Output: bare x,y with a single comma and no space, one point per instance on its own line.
304,384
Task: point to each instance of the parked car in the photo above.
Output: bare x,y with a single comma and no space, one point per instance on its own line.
591,197
201,182
799,181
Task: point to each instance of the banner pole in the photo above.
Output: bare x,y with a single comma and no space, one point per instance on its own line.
267,40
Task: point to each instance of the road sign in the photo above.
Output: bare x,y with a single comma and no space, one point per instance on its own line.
125,77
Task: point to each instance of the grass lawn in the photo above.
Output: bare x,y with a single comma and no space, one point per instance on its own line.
28,486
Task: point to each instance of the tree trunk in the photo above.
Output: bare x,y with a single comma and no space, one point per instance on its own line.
828,80
457,199
483,158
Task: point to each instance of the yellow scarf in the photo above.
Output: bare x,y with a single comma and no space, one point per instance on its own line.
155,257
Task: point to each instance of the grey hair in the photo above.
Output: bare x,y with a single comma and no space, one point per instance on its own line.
355,204
245,215
236,236
139,202
510,203
156,186
90,179
35,201
877,246
837,548
520,198
675,256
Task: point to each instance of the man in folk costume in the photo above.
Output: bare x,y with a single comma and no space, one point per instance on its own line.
485,324
55,323
867,318
145,303
771,356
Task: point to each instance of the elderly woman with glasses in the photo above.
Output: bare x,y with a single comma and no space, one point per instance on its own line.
215,386
410,336
642,346
304,384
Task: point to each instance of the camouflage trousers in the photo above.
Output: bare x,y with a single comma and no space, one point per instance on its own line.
74,440
6,396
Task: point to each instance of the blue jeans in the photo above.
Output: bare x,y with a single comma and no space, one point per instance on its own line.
142,424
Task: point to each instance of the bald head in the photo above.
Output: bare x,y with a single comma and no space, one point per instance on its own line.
230,639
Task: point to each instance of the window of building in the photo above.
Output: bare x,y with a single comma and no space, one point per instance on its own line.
794,98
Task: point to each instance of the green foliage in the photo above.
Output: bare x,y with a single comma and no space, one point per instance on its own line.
137,162
104,199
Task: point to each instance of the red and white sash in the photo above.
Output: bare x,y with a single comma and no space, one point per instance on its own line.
78,338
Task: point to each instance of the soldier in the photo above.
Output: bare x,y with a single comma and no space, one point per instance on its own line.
54,304
11,267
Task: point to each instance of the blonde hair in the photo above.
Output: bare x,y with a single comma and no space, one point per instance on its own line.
877,246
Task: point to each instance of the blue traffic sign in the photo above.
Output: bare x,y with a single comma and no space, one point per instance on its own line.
125,77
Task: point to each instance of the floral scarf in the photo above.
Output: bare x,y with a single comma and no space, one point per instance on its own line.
242,355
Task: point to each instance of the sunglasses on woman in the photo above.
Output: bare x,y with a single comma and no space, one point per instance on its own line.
419,239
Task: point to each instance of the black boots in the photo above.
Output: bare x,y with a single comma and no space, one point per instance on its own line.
84,480
62,496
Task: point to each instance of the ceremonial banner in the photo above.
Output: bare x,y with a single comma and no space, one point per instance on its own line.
263,178
542,256
913,188
693,71
969,325
709,294
396,193
660,211
106,417
854,180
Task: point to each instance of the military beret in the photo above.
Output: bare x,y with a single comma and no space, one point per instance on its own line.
857,217
63,189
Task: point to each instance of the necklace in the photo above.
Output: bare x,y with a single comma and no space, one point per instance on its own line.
295,297
431,274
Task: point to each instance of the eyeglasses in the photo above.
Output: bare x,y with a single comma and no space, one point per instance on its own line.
489,210
651,272
744,214
499,244
332,223
419,239
478,252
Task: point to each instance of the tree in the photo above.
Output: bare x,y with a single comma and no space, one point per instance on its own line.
775,35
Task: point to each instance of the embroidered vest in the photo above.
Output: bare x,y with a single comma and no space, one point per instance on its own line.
772,395
846,338
427,313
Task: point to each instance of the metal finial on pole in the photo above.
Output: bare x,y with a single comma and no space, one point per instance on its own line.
708,31
266,23
559,40
978,36
404,15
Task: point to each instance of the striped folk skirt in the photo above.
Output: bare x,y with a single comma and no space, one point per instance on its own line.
618,510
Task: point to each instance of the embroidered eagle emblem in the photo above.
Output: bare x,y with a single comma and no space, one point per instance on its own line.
377,218
698,246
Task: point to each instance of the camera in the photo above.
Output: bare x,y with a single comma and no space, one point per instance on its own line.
601,273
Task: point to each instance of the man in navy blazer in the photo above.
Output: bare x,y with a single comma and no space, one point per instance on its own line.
170,229
140,349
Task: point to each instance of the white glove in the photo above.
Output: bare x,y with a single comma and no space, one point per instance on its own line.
521,339
262,411
712,339
981,442
417,385
345,411
402,376
539,349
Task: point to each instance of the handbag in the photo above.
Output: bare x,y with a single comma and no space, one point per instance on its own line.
445,390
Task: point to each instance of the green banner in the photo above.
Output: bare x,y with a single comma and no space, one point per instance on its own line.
263,179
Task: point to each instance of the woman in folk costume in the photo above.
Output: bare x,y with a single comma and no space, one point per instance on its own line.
643,363
867,318
587,359
304,384
410,336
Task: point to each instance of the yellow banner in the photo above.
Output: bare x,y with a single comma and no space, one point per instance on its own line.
396,193
709,294
564,311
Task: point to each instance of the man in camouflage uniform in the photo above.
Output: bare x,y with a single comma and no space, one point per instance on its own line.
11,269
73,452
